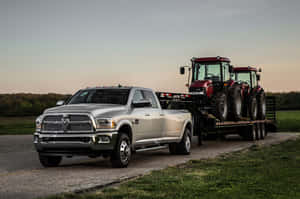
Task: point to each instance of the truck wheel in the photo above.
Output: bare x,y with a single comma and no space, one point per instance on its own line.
253,108
184,146
50,161
122,153
173,148
220,106
235,105
261,103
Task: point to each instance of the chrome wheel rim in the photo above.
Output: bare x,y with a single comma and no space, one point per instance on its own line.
188,143
125,151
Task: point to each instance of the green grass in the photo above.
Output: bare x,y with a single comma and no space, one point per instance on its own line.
267,172
288,121
17,125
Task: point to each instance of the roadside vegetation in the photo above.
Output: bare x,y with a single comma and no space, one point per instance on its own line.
261,172
288,121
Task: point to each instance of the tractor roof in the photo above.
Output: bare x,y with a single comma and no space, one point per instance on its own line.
210,59
244,69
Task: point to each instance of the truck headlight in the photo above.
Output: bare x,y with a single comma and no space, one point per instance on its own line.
105,123
38,123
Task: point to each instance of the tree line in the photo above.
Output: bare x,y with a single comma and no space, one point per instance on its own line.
24,104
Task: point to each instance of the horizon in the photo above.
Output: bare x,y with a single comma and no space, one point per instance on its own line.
62,46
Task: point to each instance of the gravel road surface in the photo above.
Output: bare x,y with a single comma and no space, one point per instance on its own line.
22,176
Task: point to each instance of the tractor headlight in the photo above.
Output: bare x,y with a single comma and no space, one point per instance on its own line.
38,123
105,123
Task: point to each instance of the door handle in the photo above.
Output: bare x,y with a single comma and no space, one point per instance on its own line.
147,114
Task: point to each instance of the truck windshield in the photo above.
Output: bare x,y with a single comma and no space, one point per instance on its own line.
100,96
206,71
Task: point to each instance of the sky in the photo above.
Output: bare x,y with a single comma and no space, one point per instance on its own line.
62,46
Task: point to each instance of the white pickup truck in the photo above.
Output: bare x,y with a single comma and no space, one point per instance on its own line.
110,121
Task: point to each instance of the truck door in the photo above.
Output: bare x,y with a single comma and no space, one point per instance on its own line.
156,115
141,117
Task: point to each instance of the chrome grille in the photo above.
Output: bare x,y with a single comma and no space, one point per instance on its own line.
67,123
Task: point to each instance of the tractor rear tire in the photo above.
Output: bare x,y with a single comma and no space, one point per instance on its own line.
236,103
261,104
220,106
252,108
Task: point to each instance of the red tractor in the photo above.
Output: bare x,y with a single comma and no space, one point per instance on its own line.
221,95
254,105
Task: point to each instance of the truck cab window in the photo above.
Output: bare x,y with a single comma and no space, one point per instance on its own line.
149,96
138,96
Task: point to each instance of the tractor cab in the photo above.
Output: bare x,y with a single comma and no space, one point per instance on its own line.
209,75
247,75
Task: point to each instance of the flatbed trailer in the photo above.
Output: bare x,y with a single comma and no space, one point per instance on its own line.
207,126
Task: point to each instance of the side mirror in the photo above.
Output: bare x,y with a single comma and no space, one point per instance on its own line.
60,103
182,70
258,77
141,104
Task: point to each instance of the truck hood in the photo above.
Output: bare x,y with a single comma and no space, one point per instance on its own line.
94,109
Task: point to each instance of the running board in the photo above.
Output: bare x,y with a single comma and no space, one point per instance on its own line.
152,148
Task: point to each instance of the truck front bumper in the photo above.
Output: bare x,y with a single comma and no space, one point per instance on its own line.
75,144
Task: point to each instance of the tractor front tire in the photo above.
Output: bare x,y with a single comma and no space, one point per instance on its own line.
261,104
252,108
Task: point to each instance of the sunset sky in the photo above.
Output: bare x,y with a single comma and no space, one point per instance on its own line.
64,45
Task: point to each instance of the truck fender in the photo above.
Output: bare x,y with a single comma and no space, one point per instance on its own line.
123,122
186,123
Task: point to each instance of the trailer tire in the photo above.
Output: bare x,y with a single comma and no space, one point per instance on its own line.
121,155
261,104
252,108
263,130
50,161
235,102
258,130
220,106
251,133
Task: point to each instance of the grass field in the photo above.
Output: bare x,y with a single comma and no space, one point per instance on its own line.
17,125
268,172
287,121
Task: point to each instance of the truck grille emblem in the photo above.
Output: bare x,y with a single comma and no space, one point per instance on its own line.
65,123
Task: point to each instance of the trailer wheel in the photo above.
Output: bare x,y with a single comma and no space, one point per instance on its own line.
220,106
258,130
50,161
122,153
251,133
235,102
263,130
253,108
261,104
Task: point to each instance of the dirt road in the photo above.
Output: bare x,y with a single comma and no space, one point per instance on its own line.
22,176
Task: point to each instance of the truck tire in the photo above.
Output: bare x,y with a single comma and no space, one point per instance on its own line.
235,102
184,146
252,108
220,106
261,104
121,155
50,161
